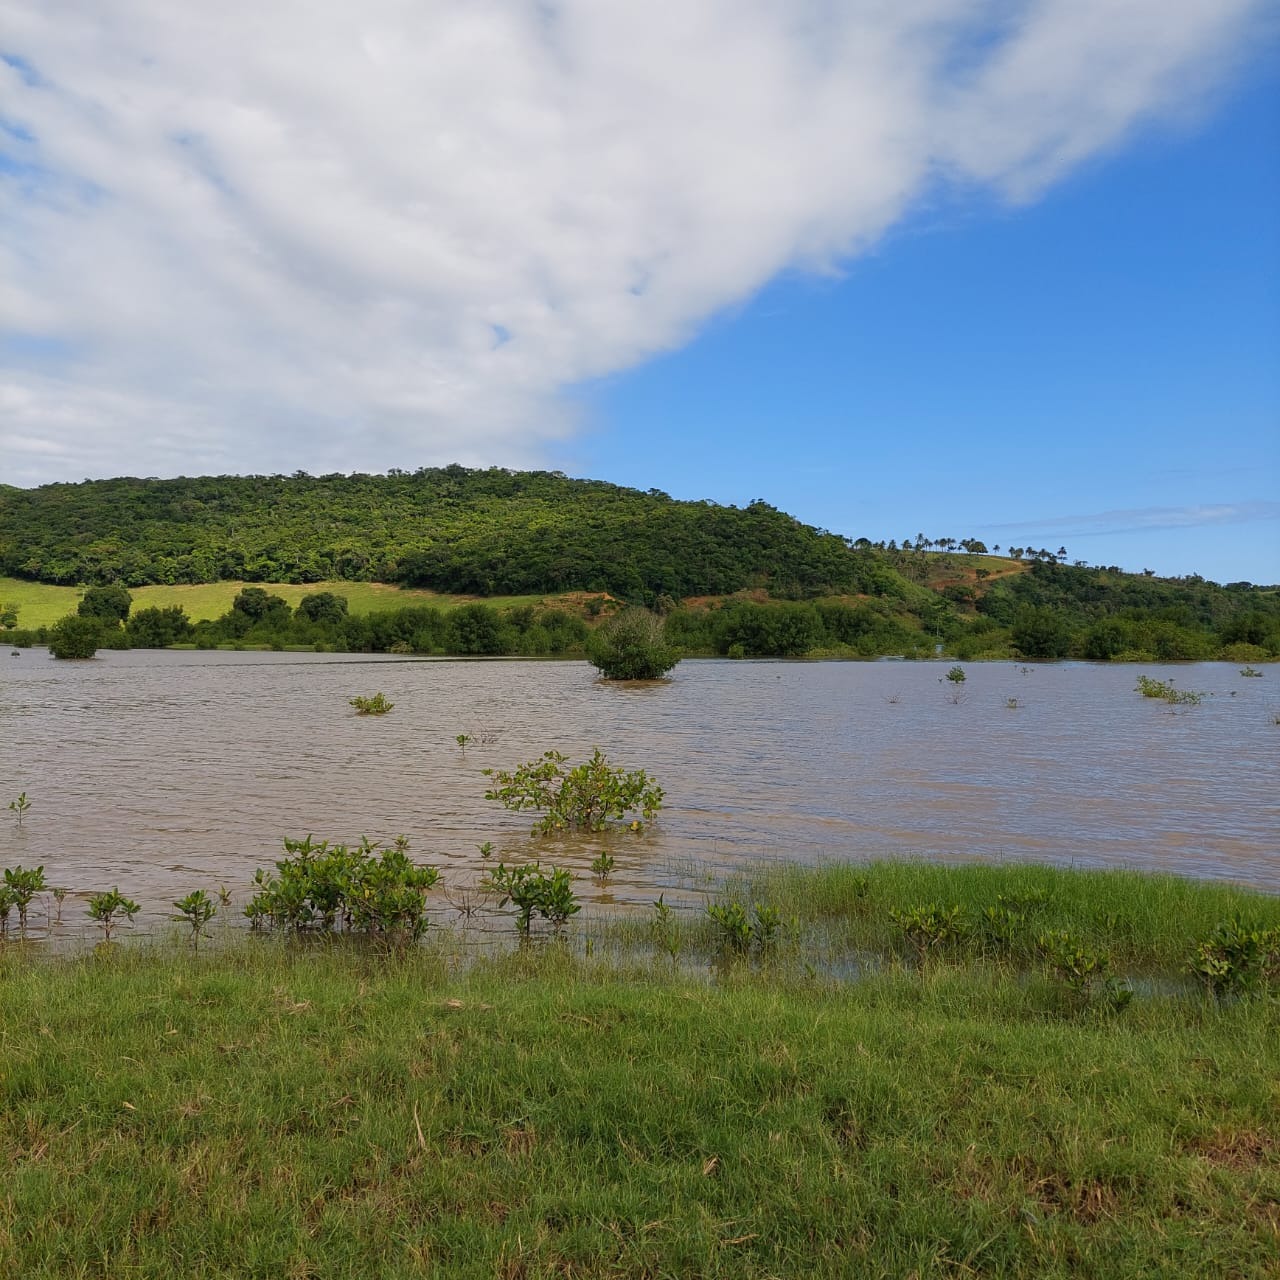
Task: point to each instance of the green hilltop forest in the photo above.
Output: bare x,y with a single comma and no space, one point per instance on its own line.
748,581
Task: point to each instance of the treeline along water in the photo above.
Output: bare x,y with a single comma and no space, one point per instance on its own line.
167,771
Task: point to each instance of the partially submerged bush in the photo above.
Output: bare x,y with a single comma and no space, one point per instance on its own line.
530,889
586,797
375,706
931,927
1237,958
1085,974
75,637
362,889
195,910
21,884
107,908
632,646
1150,688
738,930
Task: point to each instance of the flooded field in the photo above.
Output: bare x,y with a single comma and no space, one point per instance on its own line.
167,771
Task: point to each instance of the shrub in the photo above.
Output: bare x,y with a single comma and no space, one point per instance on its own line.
158,628
20,886
632,646
75,637
1150,688
323,607
196,910
733,924
1040,632
1085,974
738,929
587,797
110,605
1236,957
530,889
106,908
325,887
664,928
375,706
931,927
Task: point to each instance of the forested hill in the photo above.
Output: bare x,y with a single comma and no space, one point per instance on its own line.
451,529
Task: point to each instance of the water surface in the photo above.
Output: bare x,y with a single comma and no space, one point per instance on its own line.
167,771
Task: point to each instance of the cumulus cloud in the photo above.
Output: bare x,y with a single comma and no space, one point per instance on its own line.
268,234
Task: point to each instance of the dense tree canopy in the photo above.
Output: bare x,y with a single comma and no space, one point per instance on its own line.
450,529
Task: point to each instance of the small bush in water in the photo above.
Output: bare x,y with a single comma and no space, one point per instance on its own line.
1150,688
20,886
586,797
196,910
364,889
931,927
375,706
530,889
739,928
107,908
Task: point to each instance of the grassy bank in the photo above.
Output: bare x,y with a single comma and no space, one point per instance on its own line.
270,1110
41,604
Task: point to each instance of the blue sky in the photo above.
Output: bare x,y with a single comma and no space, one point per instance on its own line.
995,268
1100,369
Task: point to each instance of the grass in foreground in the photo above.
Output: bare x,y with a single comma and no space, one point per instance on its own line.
268,1110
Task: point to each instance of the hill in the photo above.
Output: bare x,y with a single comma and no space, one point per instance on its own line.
747,581
448,529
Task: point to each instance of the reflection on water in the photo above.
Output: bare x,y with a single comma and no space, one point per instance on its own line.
163,772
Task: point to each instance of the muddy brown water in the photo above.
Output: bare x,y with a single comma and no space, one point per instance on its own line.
168,771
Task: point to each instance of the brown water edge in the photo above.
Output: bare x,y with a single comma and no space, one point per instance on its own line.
167,771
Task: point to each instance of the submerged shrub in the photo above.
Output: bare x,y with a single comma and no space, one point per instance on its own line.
364,889
632,646
530,889
931,927
1150,688
75,637
1237,958
1085,974
587,797
20,886
107,908
738,930
375,706
196,910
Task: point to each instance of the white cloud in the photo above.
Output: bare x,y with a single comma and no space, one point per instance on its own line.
268,234
1138,519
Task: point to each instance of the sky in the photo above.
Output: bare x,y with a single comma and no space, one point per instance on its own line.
1006,269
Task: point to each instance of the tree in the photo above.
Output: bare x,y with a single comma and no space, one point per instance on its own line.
8,615
158,628
323,606
75,636
110,605
632,645
1040,633
477,629
256,605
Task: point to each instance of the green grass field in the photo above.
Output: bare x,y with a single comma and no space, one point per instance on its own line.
41,605
264,1109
